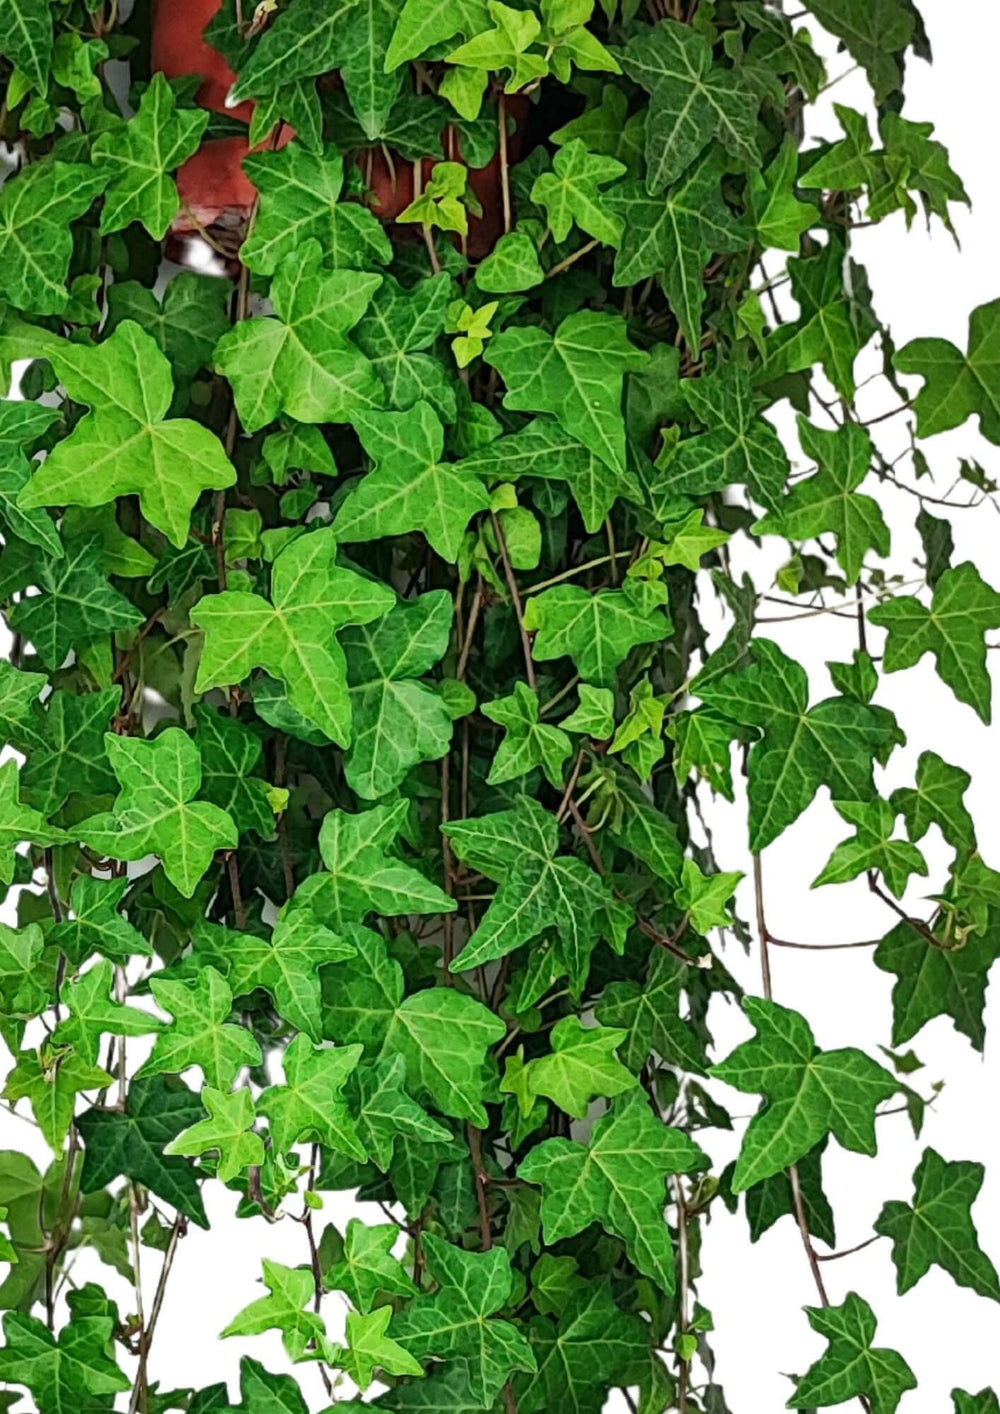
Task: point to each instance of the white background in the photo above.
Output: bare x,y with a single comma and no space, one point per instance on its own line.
923,286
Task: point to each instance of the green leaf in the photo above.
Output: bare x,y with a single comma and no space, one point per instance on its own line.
598,631
302,362
36,237
802,747
511,265
50,1082
706,896
963,607
580,1067
200,1033
779,217
570,194
19,822
365,36
829,501
307,38
410,487
186,324
300,201
692,101
93,1013
985,1402
423,24
71,757
527,742
956,385
937,981
674,236
398,721
649,1011
96,925
156,812
616,1180
370,1349
396,331
539,891
595,714
367,1267
139,155
936,799
26,26
230,753
64,1373
874,32
130,1143
362,875
228,1129
21,423
773,1198
852,1366
386,1113
442,1034
575,374
872,848
124,446
292,637
75,605
455,1324
740,447
938,1228
808,1093
310,1103
290,1289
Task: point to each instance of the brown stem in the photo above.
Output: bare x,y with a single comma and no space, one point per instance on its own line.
571,259
684,1371
177,1232
504,164
508,569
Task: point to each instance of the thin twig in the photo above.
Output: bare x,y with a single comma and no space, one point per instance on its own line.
508,569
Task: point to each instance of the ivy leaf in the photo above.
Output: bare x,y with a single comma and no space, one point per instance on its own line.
539,891
527,742
410,488
21,423
874,32
985,1402
290,1289
199,1033
292,637
852,1366
93,1013
365,36
310,1103
616,1180
706,896
19,822
575,374
302,362
598,631
36,237
740,448
649,1012
398,721
571,194
674,236
441,1033
937,981
76,603
395,332
306,39
872,848
26,26
65,1372
803,747
779,217
230,753
580,1067
130,1143
228,1129
286,965
594,1346
370,1349
936,799
156,812
690,541
938,1228
454,1323
692,101
300,201
831,329
123,446
544,451
595,714
386,1113
362,876
808,1093
367,1266
512,265
71,757
956,385
829,501
963,607
423,24
773,1198
96,925
50,1083
186,324
140,153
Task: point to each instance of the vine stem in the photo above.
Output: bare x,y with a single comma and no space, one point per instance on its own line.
504,162
140,1388
177,1232
508,569
684,1371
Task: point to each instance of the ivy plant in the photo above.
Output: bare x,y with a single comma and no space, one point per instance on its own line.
365,685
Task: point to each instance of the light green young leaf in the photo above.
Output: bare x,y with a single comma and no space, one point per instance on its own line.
396,331
706,896
527,742
228,1129
200,1033
570,194
65,1372
423,24
94,1013
50,1081
369,1348
367,1266
36,236
598,631
290,1290
580,1067
310,1104
19,822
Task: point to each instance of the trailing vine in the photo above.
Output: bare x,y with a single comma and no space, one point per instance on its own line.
365,690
